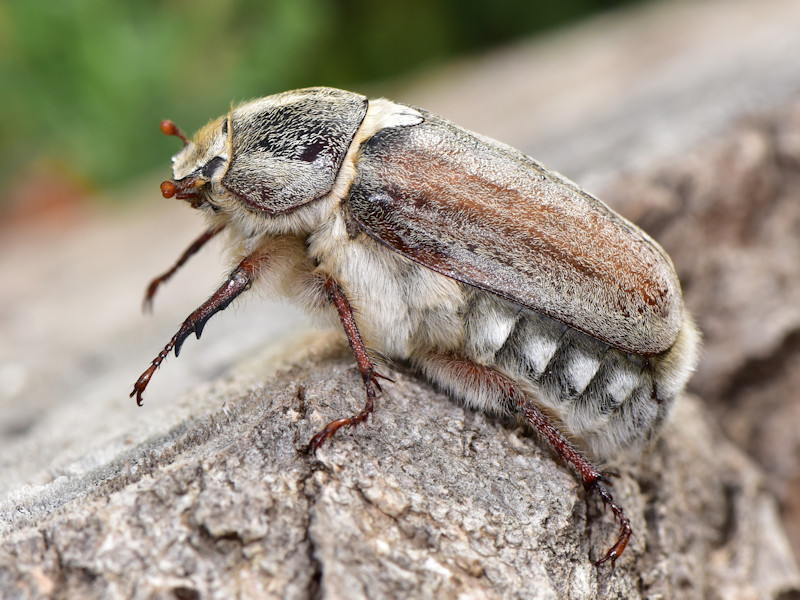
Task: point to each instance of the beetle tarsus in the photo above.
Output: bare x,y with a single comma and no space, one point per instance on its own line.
141,383
331,428
625,529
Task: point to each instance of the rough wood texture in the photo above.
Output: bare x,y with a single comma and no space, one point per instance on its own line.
209,494
428,500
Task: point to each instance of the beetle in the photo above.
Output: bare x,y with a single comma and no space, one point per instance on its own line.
504,283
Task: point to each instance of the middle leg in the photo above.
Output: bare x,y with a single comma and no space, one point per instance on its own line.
369,375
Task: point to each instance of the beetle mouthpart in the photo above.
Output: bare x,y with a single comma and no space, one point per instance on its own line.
169,128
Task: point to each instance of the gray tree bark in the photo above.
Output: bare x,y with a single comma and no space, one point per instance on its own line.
428,500
212,495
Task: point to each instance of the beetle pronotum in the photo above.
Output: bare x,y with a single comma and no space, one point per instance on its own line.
504,283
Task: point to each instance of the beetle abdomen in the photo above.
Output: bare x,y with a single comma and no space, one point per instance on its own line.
608,398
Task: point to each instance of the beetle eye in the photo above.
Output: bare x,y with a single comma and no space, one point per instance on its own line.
212,166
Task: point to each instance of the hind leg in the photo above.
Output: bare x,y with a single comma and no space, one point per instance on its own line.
485,387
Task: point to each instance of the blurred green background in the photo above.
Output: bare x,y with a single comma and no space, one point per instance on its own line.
86,82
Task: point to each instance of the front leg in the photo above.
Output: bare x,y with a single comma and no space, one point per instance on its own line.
195,246
368,374
240,279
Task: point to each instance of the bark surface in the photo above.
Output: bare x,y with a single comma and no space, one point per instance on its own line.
210,493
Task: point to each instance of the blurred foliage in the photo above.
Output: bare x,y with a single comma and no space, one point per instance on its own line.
85,82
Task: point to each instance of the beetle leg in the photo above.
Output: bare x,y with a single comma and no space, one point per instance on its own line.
365,367
209,233
592,479
238,281
463,377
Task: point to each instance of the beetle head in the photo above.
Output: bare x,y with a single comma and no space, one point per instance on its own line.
197,166
274,154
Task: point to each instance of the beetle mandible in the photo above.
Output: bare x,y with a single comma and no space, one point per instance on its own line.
503,282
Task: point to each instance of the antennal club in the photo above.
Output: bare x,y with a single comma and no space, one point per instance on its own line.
168,189
169,128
